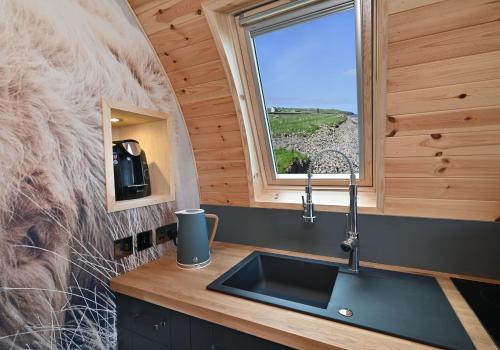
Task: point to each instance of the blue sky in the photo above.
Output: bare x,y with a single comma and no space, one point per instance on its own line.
311,64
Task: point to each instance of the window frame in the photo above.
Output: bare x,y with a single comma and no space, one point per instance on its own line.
364,55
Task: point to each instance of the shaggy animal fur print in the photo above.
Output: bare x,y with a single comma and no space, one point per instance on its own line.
57,58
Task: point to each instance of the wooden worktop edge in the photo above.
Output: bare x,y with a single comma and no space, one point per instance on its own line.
469,320
223,319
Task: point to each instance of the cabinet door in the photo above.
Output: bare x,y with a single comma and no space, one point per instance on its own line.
210,336
124,339
201,334
179,331
142,343
148,320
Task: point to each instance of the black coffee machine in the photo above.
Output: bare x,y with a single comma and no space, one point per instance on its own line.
131,170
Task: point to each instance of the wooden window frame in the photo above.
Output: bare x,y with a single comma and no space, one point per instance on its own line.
264,151
220,15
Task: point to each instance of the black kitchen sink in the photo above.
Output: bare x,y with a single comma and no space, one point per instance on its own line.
406,305
284,278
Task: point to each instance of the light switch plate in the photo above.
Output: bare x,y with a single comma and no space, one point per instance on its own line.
123,247
166,233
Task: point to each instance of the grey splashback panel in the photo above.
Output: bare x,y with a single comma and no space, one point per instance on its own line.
454,246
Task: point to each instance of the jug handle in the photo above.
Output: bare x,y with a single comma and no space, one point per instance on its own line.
214,229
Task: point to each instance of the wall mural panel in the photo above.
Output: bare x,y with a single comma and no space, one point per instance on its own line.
57,58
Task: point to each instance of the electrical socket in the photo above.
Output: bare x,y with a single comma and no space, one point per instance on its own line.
166,233
123,247
144,240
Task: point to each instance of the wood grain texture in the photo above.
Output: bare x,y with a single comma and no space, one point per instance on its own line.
452,71
225,198
163,283
217,106
459,96
443,208
395,6
227,153
219,140
218,169
161,15
224,185
181,35
442,166
153,130
462,188
199,74
192,55
455,144
455,120
438,119
203,92
441,17
456,43
213,124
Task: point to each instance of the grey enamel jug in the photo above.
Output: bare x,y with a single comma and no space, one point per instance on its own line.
193,243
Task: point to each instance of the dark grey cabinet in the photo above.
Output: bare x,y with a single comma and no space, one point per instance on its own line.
142,325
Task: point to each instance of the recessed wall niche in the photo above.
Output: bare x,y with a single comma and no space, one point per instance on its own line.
152,130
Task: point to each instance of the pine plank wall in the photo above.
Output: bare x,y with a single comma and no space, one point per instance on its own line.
442,140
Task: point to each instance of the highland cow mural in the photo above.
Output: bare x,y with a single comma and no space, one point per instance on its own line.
57,59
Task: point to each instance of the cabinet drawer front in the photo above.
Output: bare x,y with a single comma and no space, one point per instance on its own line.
139,343
143,318
229,339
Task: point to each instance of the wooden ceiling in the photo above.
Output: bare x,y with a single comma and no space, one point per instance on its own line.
442,140
182,39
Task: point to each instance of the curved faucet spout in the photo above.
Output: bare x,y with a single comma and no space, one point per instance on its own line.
351,243
352,178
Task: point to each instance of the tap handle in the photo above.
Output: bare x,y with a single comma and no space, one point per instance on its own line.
308,189
303,203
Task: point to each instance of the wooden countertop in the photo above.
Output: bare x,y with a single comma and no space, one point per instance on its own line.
162,283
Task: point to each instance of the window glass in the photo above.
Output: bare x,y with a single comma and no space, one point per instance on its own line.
308,81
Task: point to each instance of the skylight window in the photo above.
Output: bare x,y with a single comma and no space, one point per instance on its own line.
306,65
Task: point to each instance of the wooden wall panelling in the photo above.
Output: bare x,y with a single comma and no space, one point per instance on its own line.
203,92
442,143
442,166
199,74
228,153
395,6
198,53
224,198
468,95
224,185
441,17
440,64
162,14
179,32
472,143
181,35
225,168
445,72
213,124
217,140
455,120
456,43
462,188
444,208
215,106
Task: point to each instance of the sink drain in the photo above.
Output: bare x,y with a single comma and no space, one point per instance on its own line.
345,312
